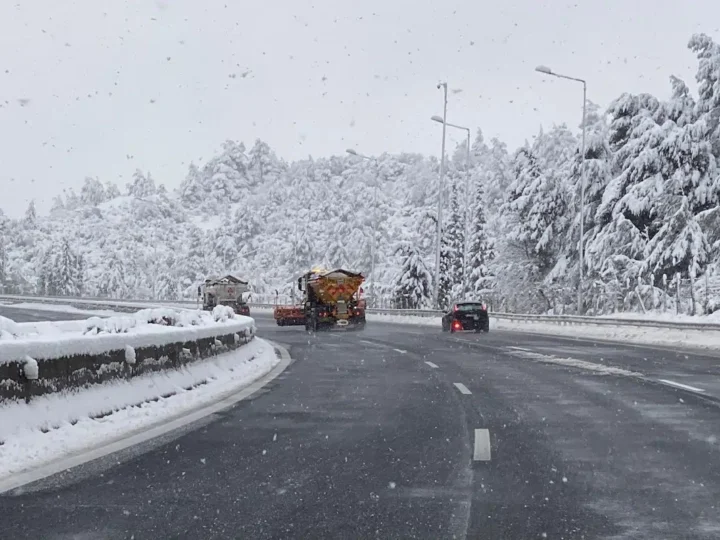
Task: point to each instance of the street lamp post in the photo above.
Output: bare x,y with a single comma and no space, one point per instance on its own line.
467,197
374,230
436,288
547,71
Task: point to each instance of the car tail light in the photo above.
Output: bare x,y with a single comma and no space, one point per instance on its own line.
457,325
455,308
484,306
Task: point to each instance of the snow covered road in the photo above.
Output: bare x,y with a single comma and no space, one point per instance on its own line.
402,431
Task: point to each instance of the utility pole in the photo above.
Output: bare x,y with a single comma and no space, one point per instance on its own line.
581,263
436,287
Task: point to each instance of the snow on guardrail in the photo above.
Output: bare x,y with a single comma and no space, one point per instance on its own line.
146,328
99,350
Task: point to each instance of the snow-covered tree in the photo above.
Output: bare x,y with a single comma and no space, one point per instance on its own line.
708,79
111,191
413,284
92,192
31,215
141,186
480,248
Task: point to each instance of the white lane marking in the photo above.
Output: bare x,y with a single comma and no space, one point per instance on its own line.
463,389
680,385
62,464
400,351
434,366
481,451
369,342
518,348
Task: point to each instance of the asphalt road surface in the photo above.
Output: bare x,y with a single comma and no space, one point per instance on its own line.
406,432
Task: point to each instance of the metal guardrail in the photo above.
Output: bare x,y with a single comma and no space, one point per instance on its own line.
517,317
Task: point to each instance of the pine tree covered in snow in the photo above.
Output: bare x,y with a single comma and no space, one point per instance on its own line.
413,286
481,250
31,215
454,236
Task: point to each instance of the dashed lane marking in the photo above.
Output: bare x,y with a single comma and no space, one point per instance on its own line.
462,388
434,366
481,450
683,386
400,351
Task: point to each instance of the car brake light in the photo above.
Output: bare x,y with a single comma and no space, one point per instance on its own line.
455,308
457,324
484,307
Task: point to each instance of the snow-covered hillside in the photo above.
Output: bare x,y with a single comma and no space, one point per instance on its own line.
651,222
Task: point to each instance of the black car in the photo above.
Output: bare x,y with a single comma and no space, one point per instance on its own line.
466,316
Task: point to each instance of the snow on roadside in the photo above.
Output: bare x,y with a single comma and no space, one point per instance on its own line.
67,415
8,328
660,316
633,334
102,335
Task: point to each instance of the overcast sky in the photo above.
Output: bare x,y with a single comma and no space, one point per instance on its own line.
100,88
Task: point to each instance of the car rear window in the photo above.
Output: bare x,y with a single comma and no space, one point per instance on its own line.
474,306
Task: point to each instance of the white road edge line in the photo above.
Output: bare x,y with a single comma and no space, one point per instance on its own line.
481,450
28,477
463,389
683,386
434,366
400,351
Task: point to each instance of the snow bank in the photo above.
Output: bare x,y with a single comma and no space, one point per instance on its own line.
150,327
50,327
8,329
633,334
640,335
121,407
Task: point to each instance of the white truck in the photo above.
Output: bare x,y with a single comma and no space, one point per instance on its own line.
224,291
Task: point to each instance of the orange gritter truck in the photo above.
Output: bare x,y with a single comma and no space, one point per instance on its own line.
331,299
